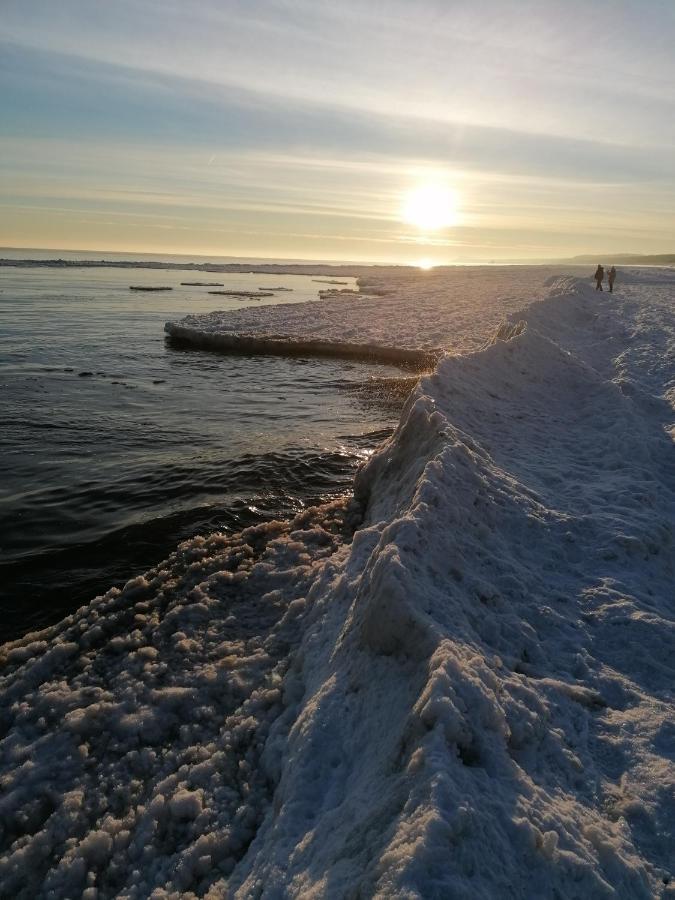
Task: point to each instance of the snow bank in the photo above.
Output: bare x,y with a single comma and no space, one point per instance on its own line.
471,698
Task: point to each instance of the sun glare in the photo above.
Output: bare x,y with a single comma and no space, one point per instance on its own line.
425,263
431,207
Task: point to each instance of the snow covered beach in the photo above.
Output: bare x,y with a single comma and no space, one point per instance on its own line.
470,695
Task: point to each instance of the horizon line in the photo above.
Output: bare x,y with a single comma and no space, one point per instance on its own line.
276,260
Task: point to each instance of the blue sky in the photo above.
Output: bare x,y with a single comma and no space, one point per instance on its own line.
298,129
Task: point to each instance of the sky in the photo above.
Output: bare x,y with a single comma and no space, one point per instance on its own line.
390,131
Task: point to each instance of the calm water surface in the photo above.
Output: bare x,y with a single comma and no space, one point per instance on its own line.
115,445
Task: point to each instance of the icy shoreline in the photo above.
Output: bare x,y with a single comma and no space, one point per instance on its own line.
288,345
472,697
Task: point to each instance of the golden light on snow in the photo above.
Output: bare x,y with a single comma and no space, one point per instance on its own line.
431,207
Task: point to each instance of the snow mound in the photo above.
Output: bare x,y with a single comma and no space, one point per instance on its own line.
471,698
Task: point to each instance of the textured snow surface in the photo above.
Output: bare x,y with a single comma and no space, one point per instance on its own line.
473,697
132,731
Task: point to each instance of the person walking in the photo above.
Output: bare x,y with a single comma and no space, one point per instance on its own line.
599,275
611,278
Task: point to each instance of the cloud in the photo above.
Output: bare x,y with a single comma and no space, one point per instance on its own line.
296,112
535,67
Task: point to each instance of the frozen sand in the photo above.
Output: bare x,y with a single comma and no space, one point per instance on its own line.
473,698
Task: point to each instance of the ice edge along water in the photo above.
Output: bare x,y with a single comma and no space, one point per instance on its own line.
471,698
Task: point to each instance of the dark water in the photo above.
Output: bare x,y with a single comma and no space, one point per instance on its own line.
104,473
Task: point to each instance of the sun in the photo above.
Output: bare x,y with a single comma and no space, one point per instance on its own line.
431,207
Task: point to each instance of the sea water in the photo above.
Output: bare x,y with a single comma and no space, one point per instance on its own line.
116,445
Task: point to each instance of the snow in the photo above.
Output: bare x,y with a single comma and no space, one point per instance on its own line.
470,696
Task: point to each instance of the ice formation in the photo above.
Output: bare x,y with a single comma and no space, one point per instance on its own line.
471,696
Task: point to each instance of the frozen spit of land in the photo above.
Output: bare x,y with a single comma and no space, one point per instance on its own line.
472,696
403,315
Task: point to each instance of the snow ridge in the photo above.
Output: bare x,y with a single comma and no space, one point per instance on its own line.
488,698
471,698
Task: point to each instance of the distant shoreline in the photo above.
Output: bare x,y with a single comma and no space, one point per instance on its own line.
325,268
256,268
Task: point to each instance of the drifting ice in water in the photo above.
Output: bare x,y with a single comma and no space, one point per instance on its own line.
141,287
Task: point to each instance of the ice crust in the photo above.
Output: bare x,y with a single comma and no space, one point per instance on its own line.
471,697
